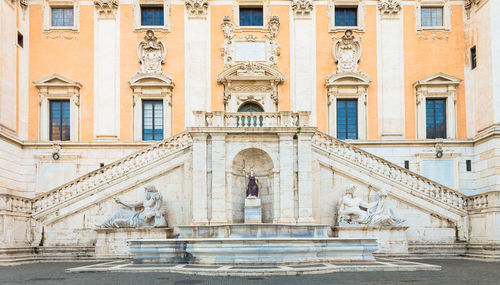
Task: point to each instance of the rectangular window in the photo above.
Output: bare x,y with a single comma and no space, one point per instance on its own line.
431,16
473,59
435,118
59,120
347,119
152,120
251,16
62,17
468,165
20,39
346,17
152,16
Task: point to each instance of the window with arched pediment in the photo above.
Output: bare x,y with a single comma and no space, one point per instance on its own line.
250,107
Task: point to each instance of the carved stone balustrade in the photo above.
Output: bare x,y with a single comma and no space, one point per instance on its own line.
251,119
17,204
489,200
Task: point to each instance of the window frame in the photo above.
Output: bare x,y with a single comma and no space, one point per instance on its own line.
153,102
58,4
137,10
360,15
264,4
255,7
444,4
435,136
345,8
150,7
61,8
51,101
431,18
346,118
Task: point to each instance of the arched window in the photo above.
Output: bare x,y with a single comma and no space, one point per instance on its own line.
250,107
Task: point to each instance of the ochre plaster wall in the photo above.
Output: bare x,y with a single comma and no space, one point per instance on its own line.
423,58
283,38
71,58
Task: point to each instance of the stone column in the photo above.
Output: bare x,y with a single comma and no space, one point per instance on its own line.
197,58
106,70
287,211
303,65
390,61
218,179
305,178
200,202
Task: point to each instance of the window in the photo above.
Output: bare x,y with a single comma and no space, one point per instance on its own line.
62,17
251,16
59,120
250,107
431,16
346,17
468,165
20,39
151,16
435,110
347,119
473,58
152,120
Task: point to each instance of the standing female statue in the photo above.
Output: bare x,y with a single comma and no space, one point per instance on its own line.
151,214
252,188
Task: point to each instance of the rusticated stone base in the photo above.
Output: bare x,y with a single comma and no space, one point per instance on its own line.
391,240
112,242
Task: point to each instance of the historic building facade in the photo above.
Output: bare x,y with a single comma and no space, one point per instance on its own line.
87,88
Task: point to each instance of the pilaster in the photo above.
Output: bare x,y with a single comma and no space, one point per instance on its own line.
218,179
305,178
287,211
200,199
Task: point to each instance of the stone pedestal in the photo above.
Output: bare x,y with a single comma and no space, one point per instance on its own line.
253,210
112,242
391,240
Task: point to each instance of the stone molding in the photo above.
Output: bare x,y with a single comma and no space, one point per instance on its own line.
439,85
389,7
60,32
360,4
197,8
53,87
106,9
302,8
438,32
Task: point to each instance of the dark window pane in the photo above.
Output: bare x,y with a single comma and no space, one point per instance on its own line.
473,57
346,17
59,120
62,17
152,120
347,119
250,107
435,118
251,16
431,16
152,16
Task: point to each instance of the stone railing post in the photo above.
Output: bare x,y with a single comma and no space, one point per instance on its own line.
200,119
218,118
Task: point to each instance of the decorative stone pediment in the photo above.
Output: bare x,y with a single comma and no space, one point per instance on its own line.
106,8
197,8
151,80
347,79
389,7
302,8
250,47
439,78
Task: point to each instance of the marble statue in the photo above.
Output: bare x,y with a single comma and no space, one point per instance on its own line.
354,210
252,188
150,213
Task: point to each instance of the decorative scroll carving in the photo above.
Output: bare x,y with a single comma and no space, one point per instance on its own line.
389,7
151,53
302,8
274,26
106,8
347,51
197,8
250,69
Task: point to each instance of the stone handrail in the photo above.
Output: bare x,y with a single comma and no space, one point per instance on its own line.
251,119
111,171
419,184
488,200
12,203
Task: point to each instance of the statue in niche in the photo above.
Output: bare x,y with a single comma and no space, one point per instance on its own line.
151,53
150,214
354,210
252,187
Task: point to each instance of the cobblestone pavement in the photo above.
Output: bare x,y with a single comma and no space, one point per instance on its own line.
454,271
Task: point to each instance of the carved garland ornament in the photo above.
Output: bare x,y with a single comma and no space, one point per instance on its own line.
197,8
389,7
302,7
106,8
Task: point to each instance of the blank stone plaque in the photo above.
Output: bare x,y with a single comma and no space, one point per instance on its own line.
250,51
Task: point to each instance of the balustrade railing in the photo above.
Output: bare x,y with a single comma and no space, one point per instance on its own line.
418,184
12,203
109,172
251,119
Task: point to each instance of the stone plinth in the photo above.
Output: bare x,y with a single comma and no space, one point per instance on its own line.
253,210
112,242
252,250
391,240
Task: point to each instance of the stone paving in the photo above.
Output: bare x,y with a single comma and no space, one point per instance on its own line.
454,272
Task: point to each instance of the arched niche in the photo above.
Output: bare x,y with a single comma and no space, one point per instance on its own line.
262,164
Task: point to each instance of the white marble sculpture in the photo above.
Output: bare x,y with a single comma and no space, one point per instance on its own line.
150,214
347,52
151,53
354,210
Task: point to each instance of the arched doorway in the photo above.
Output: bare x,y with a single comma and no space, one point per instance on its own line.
250,107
